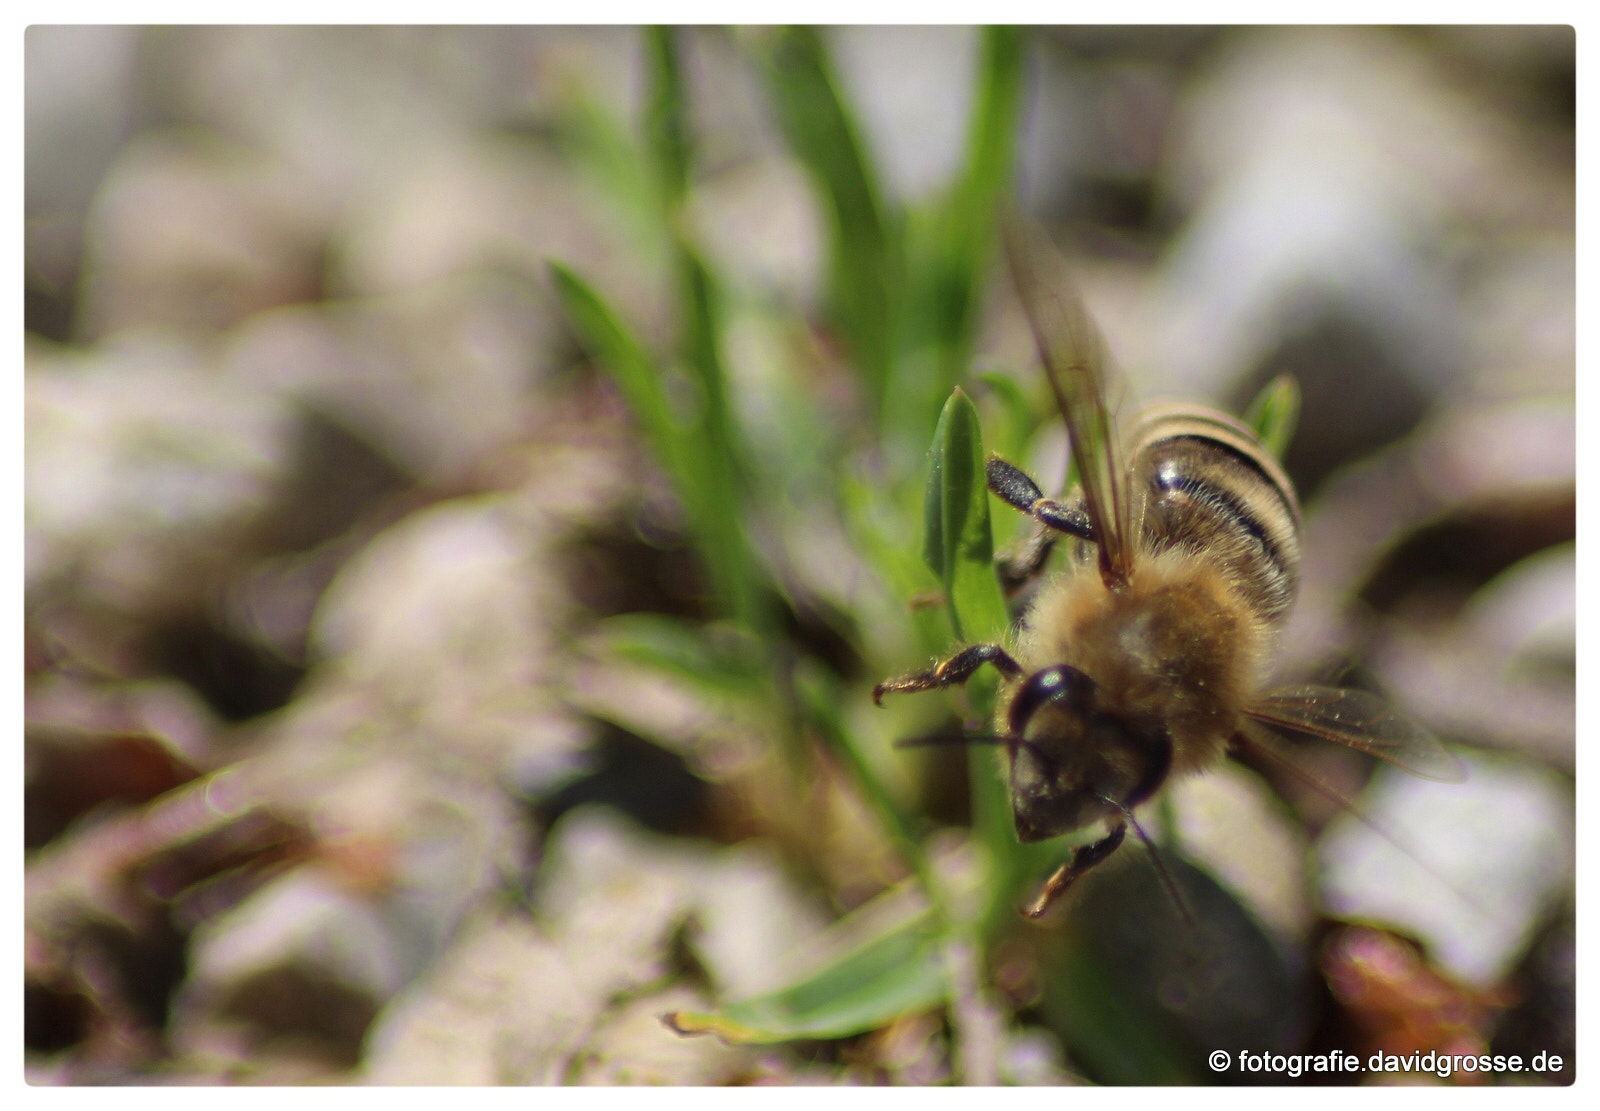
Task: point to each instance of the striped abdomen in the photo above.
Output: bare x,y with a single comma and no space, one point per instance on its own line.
1210,486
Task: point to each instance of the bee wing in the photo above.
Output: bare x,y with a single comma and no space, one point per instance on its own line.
1361,720
1075,362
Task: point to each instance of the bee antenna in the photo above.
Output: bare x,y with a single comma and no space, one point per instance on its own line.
942,740
1167,881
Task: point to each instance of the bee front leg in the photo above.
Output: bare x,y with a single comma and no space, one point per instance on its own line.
1017,490
1083,858
957,669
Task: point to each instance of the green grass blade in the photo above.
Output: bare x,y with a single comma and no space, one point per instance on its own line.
712,474
665,130
966,220
603,152
959,547
958,544
697,456
614,347
948,246
714,454
864,261
728,664
1275,412
899,972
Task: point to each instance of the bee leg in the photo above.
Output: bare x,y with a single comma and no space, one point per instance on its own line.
1017,568
1020,492
957,669
1083,858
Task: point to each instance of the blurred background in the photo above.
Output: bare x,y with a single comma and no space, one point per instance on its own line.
474,478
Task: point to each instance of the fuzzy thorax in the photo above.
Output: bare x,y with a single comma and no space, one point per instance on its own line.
1177,649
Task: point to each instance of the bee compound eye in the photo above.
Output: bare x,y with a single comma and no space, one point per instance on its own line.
1061,684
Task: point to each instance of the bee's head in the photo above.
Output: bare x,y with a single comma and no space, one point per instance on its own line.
1061,778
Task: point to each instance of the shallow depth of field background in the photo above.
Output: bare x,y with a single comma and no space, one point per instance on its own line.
396,712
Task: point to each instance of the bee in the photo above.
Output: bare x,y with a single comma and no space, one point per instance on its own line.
1148,657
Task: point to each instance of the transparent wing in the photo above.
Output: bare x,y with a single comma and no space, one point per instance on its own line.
1075,362
1362,721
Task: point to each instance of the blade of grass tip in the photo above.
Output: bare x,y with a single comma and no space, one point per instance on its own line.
714,463
968,217
958,546
1275,412
719,458
665,132
682,451
615,349
604,151
960,549
948,246
864,265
